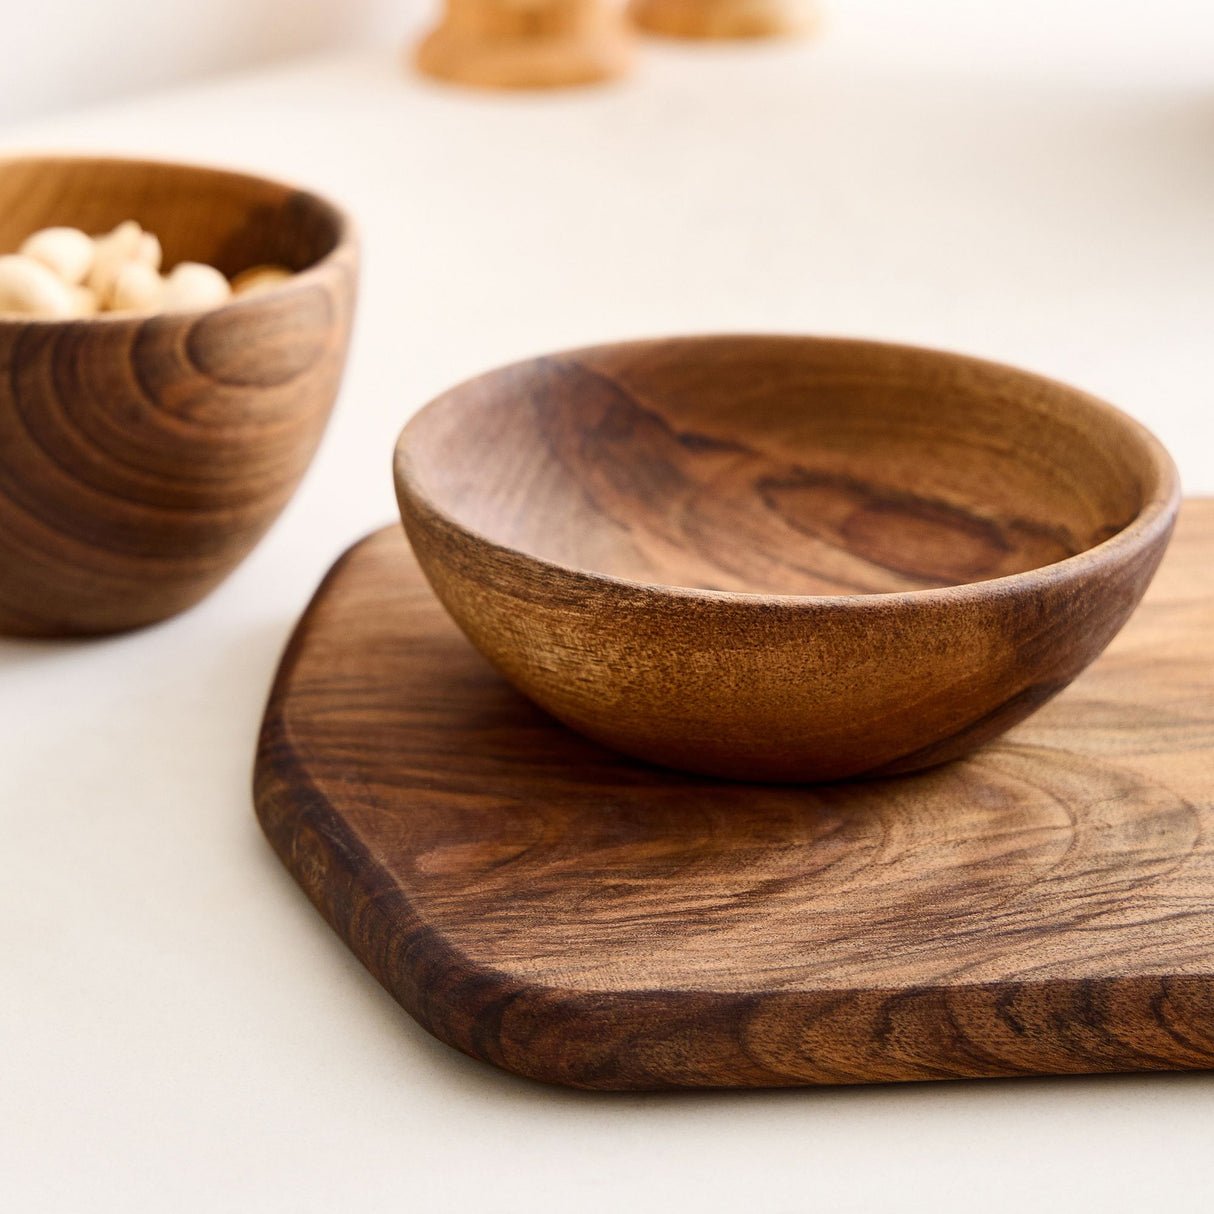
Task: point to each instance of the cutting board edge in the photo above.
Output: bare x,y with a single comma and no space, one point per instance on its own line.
497,1019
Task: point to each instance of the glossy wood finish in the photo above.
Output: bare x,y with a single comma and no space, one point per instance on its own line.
527,43
717,19
784,558
141,458
1044,906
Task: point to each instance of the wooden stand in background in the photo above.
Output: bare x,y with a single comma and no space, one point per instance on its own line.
527,43
726,18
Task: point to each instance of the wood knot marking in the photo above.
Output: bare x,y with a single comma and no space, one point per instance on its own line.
309,858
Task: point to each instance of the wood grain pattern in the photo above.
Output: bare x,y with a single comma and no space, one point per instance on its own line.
726,19
527,44
1044,906
141,458
783,558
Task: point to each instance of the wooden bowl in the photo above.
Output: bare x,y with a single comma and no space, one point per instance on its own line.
784,558
142,457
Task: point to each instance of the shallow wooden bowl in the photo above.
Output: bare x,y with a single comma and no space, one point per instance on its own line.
784,558
141,458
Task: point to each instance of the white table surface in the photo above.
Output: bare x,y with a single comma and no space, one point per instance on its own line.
179,1030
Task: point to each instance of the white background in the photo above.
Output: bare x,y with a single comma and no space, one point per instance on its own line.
59,53
1032,182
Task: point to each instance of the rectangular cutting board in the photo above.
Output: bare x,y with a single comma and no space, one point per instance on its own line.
1045,906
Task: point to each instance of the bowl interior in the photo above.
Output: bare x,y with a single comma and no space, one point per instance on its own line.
781,465
228,220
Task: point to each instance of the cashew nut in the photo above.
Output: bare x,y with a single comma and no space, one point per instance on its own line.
67,251
149,251
86,301
137,288
27,286
259,278
128,242
192,286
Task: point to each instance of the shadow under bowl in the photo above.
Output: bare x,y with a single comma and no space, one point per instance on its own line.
142,457
784,558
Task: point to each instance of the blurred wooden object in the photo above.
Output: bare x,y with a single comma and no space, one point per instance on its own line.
527,43
726,18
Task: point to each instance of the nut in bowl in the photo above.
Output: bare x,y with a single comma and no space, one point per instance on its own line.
155,416
784,558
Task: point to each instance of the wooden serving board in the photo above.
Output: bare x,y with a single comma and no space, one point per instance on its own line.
1044,906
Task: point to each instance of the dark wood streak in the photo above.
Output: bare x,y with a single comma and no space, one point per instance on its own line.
141,458
947,544
629,459
1044,906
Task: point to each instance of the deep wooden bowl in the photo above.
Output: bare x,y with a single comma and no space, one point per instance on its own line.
784,558
141,458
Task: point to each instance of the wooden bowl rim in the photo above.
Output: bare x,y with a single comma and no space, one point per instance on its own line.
1154,519
347,236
